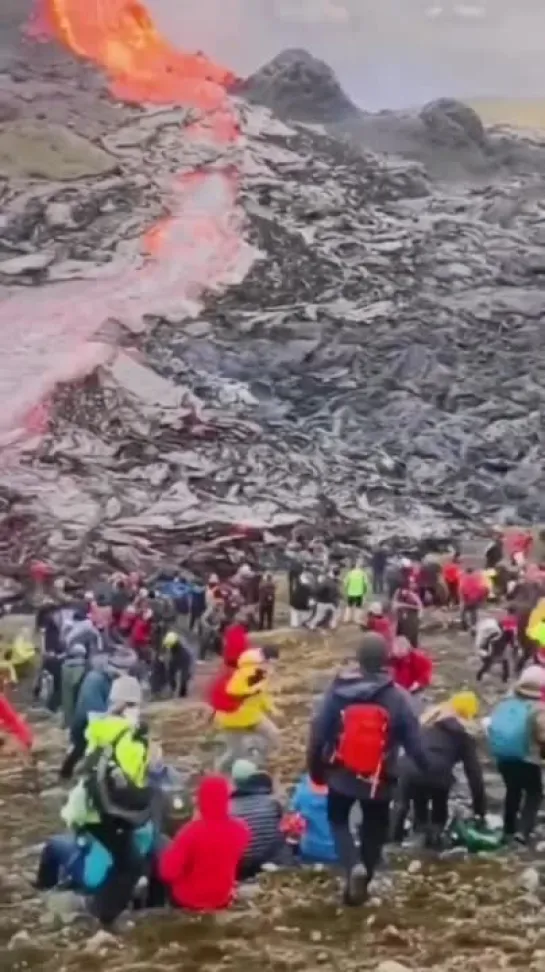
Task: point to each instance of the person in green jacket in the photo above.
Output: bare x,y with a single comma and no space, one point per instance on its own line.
356,587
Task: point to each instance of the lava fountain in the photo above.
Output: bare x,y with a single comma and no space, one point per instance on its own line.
189,250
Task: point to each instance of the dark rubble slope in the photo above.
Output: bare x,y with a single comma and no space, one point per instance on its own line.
382,359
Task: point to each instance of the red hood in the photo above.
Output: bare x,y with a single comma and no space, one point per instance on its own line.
213,798
235,643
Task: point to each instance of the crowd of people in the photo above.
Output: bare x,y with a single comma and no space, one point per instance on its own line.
374,741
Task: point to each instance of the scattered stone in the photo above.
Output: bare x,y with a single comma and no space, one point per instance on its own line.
100,942
414,867
20,938
530,879
389,965
31,263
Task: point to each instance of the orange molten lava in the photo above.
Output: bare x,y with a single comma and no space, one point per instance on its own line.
142,66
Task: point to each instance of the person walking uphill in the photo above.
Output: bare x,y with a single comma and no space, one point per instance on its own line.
516,734
356,587
354,741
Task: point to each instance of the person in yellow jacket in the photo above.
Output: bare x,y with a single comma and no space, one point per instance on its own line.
242,707
93,808
356,588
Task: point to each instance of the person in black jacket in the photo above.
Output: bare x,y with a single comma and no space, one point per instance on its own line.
253,801
448,742
364,692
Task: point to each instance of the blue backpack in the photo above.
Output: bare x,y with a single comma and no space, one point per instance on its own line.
510,730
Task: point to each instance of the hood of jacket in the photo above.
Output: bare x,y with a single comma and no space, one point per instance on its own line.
213,797
258,783
355,686
531,684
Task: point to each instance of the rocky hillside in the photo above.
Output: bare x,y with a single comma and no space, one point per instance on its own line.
380,361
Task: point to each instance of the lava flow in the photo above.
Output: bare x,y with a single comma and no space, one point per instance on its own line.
185,253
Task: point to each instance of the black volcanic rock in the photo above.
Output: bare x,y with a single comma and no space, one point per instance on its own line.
297,86
453,123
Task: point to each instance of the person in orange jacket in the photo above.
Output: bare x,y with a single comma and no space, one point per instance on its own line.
452,575
473,594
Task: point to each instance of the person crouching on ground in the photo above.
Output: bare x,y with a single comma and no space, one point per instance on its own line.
448,741
242,707
411,669
516,736
354,741
199,867
253,801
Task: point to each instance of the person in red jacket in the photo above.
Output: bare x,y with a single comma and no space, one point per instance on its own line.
141,631
200,866
473,593
411,668
235,642
378,621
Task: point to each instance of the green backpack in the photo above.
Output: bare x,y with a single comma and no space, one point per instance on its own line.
475,838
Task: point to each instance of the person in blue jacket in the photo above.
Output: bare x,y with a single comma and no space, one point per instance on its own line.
364,703
309,801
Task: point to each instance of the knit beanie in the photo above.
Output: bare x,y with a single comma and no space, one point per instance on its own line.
373,653
465,705
242,770
125,691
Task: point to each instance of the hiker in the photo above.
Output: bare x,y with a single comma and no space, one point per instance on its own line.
379,565
82,631
494,551
300,595
407,609
411,669
93,694
236,640
378,622
92,697
253,801
447,741
494,638
178,663
429,581
266,601
516,736
315,844
452,575
354,742
473,594
113,799
242,708
73,671
324,614
199,867
356,587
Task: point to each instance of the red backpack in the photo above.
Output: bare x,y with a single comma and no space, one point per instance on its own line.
363,741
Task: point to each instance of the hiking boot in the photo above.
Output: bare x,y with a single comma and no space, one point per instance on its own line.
355,889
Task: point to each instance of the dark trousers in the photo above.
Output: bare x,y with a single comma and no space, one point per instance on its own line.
408,626
497,656
116,893
430,808
265,617
378,583
469,616
75,753
373,830
523,796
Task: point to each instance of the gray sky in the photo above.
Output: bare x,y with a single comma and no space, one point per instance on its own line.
388,53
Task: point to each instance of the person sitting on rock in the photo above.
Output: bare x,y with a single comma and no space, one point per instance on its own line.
314,837
411,669
447,741
199,867
253,801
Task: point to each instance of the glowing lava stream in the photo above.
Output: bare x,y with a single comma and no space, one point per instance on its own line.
193,248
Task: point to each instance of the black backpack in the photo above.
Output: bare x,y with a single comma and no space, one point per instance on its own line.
112,793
